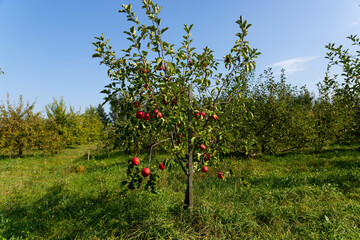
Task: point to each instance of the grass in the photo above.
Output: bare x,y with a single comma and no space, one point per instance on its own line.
291,196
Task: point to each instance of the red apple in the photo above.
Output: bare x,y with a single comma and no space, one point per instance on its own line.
205,169
213,139
146,87
174,101
205,65
197,115
206,156
191,63
161,166
135,161
203,114
140,115
165,102
146,116
159,114
187,165
214,116
156,111
137,105
220,175
145,172
161,68
202,147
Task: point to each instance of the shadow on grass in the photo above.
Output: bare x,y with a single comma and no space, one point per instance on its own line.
346,164
26,155
335,151
342,181
109,214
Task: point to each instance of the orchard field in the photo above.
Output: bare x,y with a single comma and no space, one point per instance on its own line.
304,195
193,146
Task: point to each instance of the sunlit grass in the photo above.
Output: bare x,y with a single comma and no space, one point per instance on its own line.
292,196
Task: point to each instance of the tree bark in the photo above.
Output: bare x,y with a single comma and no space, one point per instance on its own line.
20,152
89,151
188,203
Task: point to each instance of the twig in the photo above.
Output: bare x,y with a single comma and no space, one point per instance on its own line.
153,145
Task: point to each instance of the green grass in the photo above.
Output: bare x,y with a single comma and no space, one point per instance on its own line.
292,196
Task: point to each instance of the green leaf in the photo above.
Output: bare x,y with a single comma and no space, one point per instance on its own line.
96,55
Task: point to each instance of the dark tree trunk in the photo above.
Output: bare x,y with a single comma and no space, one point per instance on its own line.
20,152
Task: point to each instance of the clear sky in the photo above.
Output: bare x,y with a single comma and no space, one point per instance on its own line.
46,48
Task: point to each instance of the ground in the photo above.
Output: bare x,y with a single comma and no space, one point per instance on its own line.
305,195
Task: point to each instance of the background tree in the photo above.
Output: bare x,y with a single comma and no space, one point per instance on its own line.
102,114
21,129
348,88
74,128
92,126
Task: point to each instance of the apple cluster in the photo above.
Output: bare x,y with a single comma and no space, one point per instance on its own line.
199,115
146,116
145,172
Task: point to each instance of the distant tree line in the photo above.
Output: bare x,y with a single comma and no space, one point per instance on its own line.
22,129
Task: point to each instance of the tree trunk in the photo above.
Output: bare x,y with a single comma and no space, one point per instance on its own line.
188,203
20,152
89,151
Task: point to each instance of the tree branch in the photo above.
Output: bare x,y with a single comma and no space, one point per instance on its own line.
153,145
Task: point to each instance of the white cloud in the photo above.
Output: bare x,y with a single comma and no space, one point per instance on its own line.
294,64
355,23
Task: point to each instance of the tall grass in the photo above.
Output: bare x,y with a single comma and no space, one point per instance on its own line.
293,196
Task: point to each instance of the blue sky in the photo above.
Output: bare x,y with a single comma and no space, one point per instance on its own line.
46,48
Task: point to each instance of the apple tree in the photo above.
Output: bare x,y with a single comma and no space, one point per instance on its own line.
172,97
348,88
23,129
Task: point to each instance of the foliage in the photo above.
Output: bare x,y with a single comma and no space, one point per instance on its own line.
350,63
102,114
92,124
344,95
273,116
74,128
